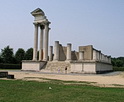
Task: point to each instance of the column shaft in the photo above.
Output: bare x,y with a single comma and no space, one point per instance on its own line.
68,52
51,53
35,42
41,44
56,51
46,37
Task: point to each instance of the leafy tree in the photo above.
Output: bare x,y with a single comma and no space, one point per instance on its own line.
7,55
119,63
29,54
113,60
20,55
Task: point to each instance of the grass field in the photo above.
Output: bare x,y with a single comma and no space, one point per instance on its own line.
61,91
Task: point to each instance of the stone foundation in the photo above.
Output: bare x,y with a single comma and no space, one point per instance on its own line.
90,67
33,65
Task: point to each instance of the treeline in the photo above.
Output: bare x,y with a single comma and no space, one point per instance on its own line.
11,59
7,55
118,62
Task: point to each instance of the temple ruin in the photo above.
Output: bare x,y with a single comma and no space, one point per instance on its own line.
86,60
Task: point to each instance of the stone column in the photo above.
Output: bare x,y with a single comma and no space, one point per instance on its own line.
35,42
41,43
56,51
46,37
51,53
68,56
81,55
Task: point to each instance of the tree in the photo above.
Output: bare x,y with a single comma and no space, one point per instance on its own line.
1,61
20,55
29,54
119,63
7,55
113,61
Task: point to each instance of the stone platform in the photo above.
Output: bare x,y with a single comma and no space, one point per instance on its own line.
33,65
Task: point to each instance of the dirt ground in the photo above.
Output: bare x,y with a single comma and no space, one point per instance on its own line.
103,80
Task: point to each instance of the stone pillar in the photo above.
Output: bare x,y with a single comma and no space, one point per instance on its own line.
68,56
100,55
94,55
41,43
51,53
35,42
81,55
109,59
56,51
46,37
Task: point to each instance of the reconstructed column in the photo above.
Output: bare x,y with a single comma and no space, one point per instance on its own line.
81,55
46,37
51,53
56,51
35,42
41,43
68,56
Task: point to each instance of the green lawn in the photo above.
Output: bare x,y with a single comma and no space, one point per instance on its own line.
31,91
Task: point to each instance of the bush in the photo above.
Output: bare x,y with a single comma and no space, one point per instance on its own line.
10,66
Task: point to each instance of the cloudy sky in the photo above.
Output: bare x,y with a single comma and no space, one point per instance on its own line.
81,22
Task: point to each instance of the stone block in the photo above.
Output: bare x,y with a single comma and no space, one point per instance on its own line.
10,76
3,74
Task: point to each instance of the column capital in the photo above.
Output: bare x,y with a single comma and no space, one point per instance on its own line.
42,27
36,24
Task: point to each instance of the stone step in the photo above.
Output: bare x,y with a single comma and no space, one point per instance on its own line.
58,67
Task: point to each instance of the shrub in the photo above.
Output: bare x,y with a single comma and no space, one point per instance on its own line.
10,66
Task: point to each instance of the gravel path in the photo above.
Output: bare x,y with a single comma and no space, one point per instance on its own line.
112,79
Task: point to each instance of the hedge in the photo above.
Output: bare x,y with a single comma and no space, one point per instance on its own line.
10,66
118,68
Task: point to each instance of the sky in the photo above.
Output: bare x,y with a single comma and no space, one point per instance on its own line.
81,22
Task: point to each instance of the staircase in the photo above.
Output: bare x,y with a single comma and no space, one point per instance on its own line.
57,67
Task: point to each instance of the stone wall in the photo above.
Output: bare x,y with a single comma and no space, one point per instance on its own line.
62,53
88,51
90,67
74,55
